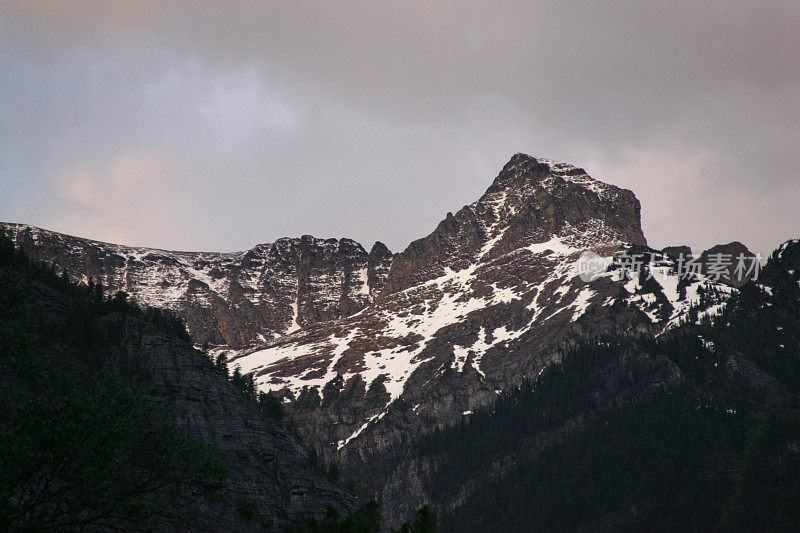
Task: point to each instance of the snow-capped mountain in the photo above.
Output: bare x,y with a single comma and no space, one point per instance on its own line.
368,348
479,304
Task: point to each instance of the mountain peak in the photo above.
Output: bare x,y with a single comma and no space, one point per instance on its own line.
380,250
557,194
529,202
524,169
519,166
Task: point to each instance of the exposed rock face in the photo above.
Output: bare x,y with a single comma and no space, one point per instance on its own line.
231,299
267,466
729,263
676,252
380,261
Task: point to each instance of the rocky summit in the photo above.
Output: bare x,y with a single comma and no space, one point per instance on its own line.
368,349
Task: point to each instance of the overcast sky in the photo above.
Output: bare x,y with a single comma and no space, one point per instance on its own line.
219,125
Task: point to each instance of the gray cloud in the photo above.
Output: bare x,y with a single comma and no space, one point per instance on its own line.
218,126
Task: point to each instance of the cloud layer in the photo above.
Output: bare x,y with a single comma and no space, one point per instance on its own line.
218,126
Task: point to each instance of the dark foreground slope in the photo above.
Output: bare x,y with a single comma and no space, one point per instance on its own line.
110,419
696,429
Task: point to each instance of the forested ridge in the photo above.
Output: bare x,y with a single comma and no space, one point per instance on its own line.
81,449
